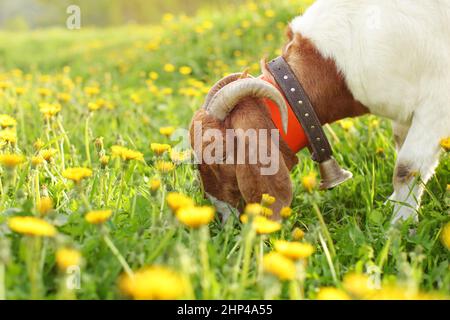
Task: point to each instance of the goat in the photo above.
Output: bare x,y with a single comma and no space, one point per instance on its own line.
390,58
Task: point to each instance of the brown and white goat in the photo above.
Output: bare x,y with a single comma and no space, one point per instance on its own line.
386,57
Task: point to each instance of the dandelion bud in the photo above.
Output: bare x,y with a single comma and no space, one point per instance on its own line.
66,258
104,160
36,161
155,184
45,205
298,234
98,142
286,212
38,144
267,200
309,182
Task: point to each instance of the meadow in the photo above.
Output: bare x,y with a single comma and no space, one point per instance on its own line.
96,203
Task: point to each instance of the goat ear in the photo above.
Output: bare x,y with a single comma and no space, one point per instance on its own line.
254,178
289,32
291,38
252,185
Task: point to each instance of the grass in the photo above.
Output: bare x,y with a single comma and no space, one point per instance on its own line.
348,226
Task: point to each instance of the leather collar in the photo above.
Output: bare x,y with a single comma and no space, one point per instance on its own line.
304,127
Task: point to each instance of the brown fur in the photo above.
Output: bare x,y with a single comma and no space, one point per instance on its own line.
332,100
325,86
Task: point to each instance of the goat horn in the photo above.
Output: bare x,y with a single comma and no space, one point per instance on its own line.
222,83
224,101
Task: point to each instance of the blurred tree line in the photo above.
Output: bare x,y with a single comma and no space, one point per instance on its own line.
29,14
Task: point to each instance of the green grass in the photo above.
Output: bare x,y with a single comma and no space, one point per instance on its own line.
142,228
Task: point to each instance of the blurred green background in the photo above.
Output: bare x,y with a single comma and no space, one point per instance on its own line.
19,15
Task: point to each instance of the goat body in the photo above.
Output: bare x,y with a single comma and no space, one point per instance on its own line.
387,57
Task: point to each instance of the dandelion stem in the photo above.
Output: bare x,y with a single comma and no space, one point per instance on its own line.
36,189
118,255
384,253
325,230
294,290
34,273
2,282
248,240
329,258
86,140
207,276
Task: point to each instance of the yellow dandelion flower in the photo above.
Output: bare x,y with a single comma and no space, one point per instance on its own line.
48,154
38,144
166,91
267,200
279,266
445,235
252,6
195,217
164,166
8,135
36,161
4,85
167,131
286,212
11,160
374,123
7,121
153,283
77,174
155,184
45,205
98,216
253,209
93,106
298,234
104,160
294,250
153,75
44,92
169,68
177,200
92,90
185,70
309,182
136,98
67,257
266,212
261,224
180,156
379,151
31,226
330,293
126,154
49,109
358,285
64,97
168,17
269,13
347,124
19,91
445,143
159,148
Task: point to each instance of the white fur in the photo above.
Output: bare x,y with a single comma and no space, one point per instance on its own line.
395,57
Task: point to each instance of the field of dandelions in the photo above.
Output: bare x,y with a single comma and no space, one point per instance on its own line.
97,203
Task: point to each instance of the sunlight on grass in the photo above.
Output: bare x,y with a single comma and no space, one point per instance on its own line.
97,204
